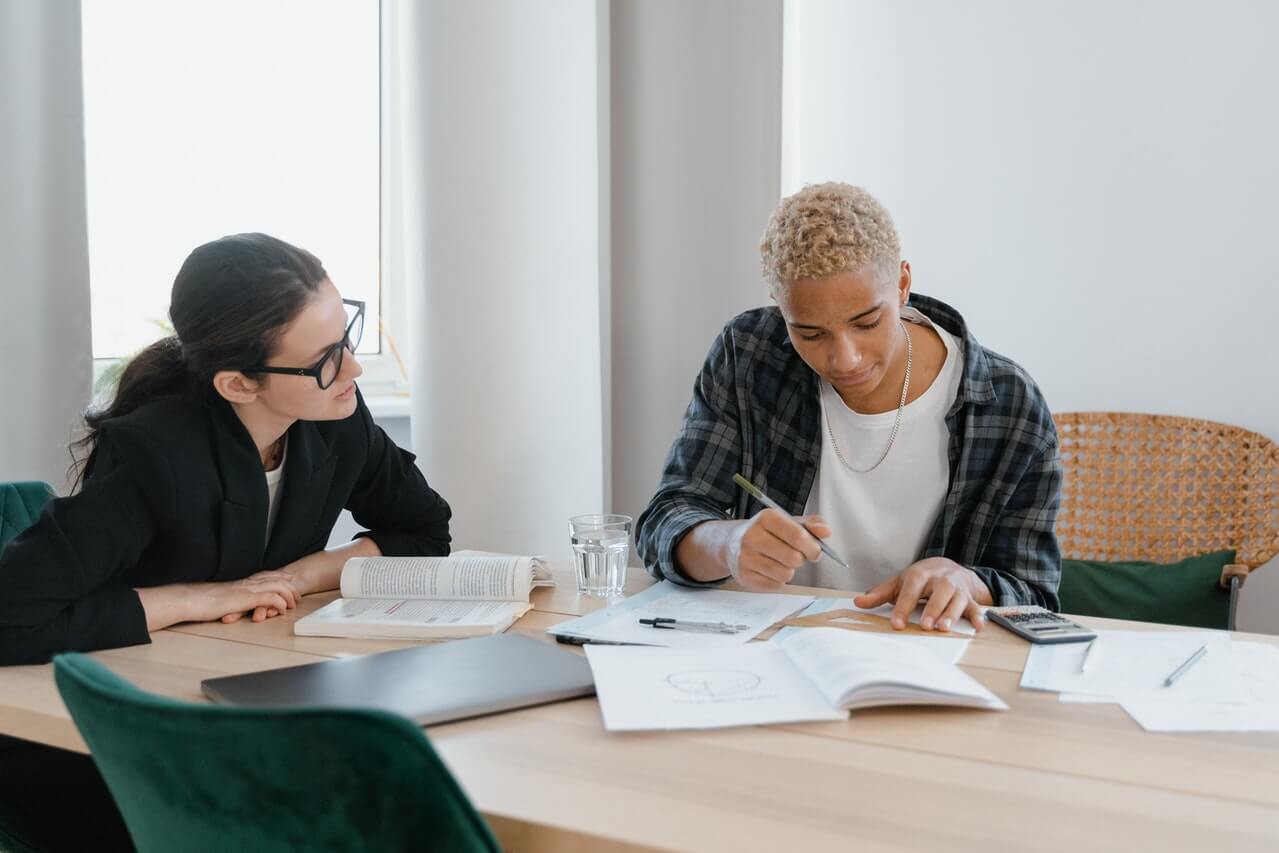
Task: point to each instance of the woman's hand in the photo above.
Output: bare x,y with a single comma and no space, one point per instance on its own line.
205,602
288,575
952,591
313,573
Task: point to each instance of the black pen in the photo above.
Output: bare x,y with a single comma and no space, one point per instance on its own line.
754,491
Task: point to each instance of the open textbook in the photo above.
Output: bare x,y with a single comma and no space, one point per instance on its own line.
811,674
464,595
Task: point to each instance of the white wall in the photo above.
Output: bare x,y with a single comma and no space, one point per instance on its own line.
696,101
45,360
1091,183
502,113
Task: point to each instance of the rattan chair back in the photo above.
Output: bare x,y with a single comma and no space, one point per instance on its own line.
1163,488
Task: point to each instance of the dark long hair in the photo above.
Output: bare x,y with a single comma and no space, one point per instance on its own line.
231,301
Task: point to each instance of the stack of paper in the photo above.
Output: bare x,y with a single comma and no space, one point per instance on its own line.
1232,687
1257,665
1135,664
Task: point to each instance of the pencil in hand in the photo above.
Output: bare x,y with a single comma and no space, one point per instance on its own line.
752,490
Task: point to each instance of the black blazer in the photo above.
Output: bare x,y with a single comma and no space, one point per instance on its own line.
176,494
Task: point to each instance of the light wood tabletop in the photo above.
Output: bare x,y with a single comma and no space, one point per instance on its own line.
1042,776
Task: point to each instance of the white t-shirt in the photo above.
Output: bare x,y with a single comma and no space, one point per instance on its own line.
881,519
274,479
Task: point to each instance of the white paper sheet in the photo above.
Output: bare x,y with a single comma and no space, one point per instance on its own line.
1134,664
1086,699
949,649
620,623
1258,668
646,688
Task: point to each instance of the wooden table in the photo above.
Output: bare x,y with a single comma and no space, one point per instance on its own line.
1043,776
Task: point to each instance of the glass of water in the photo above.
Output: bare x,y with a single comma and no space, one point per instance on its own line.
601,545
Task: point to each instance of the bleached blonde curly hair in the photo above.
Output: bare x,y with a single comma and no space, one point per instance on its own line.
826,229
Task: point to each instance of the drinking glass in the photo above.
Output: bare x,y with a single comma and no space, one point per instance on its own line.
601,546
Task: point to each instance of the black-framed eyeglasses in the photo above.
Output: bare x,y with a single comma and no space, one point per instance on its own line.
326,370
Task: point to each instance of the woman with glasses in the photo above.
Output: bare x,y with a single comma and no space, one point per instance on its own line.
212,481
209,488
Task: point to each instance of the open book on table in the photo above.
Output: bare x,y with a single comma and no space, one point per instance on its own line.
812,674
467,594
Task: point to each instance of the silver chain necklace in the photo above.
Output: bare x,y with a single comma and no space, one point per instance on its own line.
896,423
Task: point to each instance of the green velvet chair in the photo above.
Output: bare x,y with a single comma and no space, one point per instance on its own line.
197,777
20,504
1162,517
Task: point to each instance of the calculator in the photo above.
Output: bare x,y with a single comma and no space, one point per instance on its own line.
1039,625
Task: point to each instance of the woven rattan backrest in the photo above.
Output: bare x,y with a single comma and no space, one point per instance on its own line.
1162,488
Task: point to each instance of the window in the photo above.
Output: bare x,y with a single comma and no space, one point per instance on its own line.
204,119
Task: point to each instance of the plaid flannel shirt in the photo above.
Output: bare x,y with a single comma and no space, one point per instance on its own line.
755,409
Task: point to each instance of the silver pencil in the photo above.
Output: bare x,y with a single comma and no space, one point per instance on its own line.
754,492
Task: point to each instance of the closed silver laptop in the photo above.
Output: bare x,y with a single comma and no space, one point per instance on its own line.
428,684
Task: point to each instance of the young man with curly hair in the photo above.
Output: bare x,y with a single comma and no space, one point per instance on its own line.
872,415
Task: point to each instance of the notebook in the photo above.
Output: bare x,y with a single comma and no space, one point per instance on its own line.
427,684
811,674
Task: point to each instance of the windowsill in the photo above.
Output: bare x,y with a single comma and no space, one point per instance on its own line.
389,405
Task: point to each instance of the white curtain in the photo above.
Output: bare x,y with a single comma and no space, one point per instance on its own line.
577,193
45,347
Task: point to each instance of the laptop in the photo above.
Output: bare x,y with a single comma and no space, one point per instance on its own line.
427,684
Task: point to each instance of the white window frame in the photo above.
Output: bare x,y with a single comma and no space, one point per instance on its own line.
384,386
